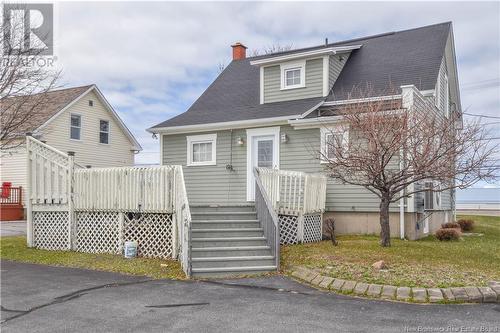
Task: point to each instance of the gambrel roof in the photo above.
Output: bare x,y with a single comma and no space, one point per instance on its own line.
409,57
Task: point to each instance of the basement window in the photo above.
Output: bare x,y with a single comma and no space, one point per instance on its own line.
201,149
293,75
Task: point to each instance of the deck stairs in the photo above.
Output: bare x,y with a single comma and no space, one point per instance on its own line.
228,241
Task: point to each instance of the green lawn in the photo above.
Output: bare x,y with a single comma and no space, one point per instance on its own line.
14,248
474,260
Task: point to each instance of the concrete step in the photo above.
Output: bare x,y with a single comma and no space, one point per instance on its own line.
228,241
230,251
220,262
224,224
210,215
231,271
231,232
216,208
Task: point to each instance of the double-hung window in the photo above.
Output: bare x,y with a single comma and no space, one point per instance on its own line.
103,131
293,75
201,149
332,139
75,127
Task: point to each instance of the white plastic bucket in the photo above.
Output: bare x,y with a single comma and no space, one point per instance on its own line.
130,250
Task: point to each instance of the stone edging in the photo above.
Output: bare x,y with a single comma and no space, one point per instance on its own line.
489,294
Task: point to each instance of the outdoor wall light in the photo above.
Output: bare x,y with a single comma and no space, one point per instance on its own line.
240,141
284,138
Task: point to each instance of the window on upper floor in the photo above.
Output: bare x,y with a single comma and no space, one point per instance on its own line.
75,127
201,149
103,131
293,75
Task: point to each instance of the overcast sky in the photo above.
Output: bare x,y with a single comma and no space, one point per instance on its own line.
152,60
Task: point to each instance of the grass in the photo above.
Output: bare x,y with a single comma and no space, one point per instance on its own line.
14,248
474,260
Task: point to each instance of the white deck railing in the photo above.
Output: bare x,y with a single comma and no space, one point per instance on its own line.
129,189
293,192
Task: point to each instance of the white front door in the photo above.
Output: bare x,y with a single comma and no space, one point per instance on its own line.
262,152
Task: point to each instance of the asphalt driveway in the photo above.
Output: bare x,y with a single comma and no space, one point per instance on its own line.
12,228
37,298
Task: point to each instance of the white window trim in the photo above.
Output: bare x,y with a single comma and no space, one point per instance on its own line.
71,126
336,129
436,195
109,132
290,66
205,138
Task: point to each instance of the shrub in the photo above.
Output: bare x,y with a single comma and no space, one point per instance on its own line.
452,225
448,234
330,230
466,224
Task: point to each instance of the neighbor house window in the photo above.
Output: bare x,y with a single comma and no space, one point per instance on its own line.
293,75
104,131
333,138
201,149
75,127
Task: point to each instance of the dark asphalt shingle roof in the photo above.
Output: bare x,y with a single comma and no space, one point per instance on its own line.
397,58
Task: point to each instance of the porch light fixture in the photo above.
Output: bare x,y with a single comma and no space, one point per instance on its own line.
284,138
240,141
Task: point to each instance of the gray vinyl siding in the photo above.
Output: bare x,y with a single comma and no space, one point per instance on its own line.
442,86
336,66
216,185
313,88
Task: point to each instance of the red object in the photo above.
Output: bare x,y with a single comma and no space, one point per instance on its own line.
239,51
6,186
11,206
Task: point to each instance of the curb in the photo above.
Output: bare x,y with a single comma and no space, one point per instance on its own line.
490,294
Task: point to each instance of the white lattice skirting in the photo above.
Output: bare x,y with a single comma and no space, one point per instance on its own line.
105,232
300,229
313,231
51,230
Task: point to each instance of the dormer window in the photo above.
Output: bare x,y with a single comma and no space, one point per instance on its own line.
293,75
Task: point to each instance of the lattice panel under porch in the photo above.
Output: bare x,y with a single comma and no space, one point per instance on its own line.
152,232
312,228
50,230
98,232
289,226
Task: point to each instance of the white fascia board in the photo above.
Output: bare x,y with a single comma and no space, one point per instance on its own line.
223,125
308,112
304,54
362,100
314,122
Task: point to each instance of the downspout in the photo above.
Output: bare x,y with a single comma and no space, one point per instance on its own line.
401,202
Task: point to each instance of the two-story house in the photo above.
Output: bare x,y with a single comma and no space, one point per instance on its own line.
264,110
77,119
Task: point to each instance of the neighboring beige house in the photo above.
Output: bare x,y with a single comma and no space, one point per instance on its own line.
76,119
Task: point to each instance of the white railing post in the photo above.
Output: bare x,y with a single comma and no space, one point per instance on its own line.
121,222
71,210
29,213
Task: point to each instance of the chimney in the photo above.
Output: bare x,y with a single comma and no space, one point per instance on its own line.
239,51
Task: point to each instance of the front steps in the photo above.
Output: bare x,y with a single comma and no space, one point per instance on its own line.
228,241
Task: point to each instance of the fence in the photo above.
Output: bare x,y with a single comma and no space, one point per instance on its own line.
98,210
299,199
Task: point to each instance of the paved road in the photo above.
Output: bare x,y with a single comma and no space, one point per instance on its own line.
13,228
53,299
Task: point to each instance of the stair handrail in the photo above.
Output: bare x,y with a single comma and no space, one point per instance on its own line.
267,217
183,216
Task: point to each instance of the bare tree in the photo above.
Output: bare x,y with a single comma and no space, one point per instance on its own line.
271,49
25,74
390,150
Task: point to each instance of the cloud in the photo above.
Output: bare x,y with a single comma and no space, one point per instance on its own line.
153,59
